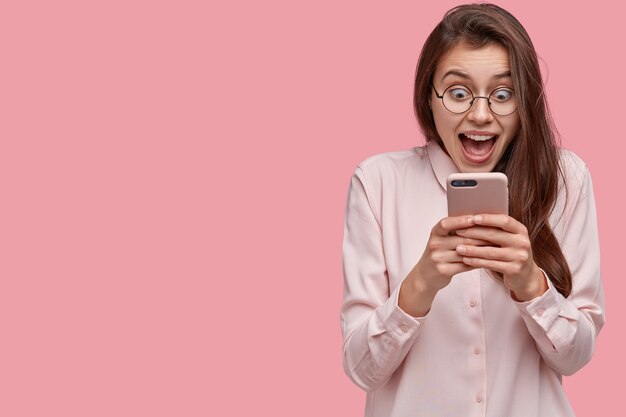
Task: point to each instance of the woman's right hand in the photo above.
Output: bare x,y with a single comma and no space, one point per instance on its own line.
438,264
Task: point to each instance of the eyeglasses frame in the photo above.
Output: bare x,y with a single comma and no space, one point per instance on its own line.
471,102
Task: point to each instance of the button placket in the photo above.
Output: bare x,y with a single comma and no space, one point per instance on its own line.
478,360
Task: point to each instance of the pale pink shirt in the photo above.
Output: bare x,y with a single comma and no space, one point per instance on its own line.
477,352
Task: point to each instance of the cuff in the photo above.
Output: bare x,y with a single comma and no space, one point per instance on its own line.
541,315
398,323
544,309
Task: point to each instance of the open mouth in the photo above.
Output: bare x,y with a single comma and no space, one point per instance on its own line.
477,148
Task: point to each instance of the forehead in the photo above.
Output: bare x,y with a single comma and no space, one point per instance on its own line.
476,63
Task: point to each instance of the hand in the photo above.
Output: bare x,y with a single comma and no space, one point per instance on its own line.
438,264
510,254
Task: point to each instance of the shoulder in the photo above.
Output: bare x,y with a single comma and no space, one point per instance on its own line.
384,176
574,189
386,166
575,171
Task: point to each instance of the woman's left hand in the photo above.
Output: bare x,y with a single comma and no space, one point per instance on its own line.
511,254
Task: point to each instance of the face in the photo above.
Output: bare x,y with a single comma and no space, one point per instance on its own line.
476,139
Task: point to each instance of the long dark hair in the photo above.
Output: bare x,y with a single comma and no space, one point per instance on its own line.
531,162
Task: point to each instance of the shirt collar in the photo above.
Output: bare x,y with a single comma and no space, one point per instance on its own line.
442,164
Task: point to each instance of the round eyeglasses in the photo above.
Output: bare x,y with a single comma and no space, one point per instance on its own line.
458,99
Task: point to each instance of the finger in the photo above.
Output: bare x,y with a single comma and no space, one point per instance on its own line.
451,242
502,221
449,224
459,268
498,266
490,234
459,240
452,269
446,256
487,252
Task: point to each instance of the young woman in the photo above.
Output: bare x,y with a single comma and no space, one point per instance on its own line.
483,321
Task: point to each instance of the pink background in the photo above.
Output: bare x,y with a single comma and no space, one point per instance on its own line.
173,179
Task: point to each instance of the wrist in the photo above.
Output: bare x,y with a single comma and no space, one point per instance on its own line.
415,298
537,286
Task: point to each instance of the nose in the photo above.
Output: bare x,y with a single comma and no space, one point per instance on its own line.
480,111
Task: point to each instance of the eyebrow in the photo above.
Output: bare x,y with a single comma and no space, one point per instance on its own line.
505,74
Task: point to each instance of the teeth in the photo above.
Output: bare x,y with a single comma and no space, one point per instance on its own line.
480,138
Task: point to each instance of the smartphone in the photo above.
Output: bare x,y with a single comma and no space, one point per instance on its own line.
478,193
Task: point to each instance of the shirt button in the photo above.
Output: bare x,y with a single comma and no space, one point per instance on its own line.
472,302
540,312
404,328
476,350
479,398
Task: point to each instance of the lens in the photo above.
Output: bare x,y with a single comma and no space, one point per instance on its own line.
502,101
457,98
463,183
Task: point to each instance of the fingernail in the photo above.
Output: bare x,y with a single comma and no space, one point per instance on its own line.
478,219
461,249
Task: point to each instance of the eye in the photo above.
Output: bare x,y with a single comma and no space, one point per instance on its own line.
502,95
459,93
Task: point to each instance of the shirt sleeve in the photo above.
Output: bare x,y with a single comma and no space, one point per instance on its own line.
565,329
377,334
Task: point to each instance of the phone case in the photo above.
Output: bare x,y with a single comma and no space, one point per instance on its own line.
478,193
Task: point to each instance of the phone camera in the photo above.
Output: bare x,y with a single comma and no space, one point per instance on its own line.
464,183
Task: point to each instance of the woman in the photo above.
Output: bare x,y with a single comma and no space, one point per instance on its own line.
485,320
